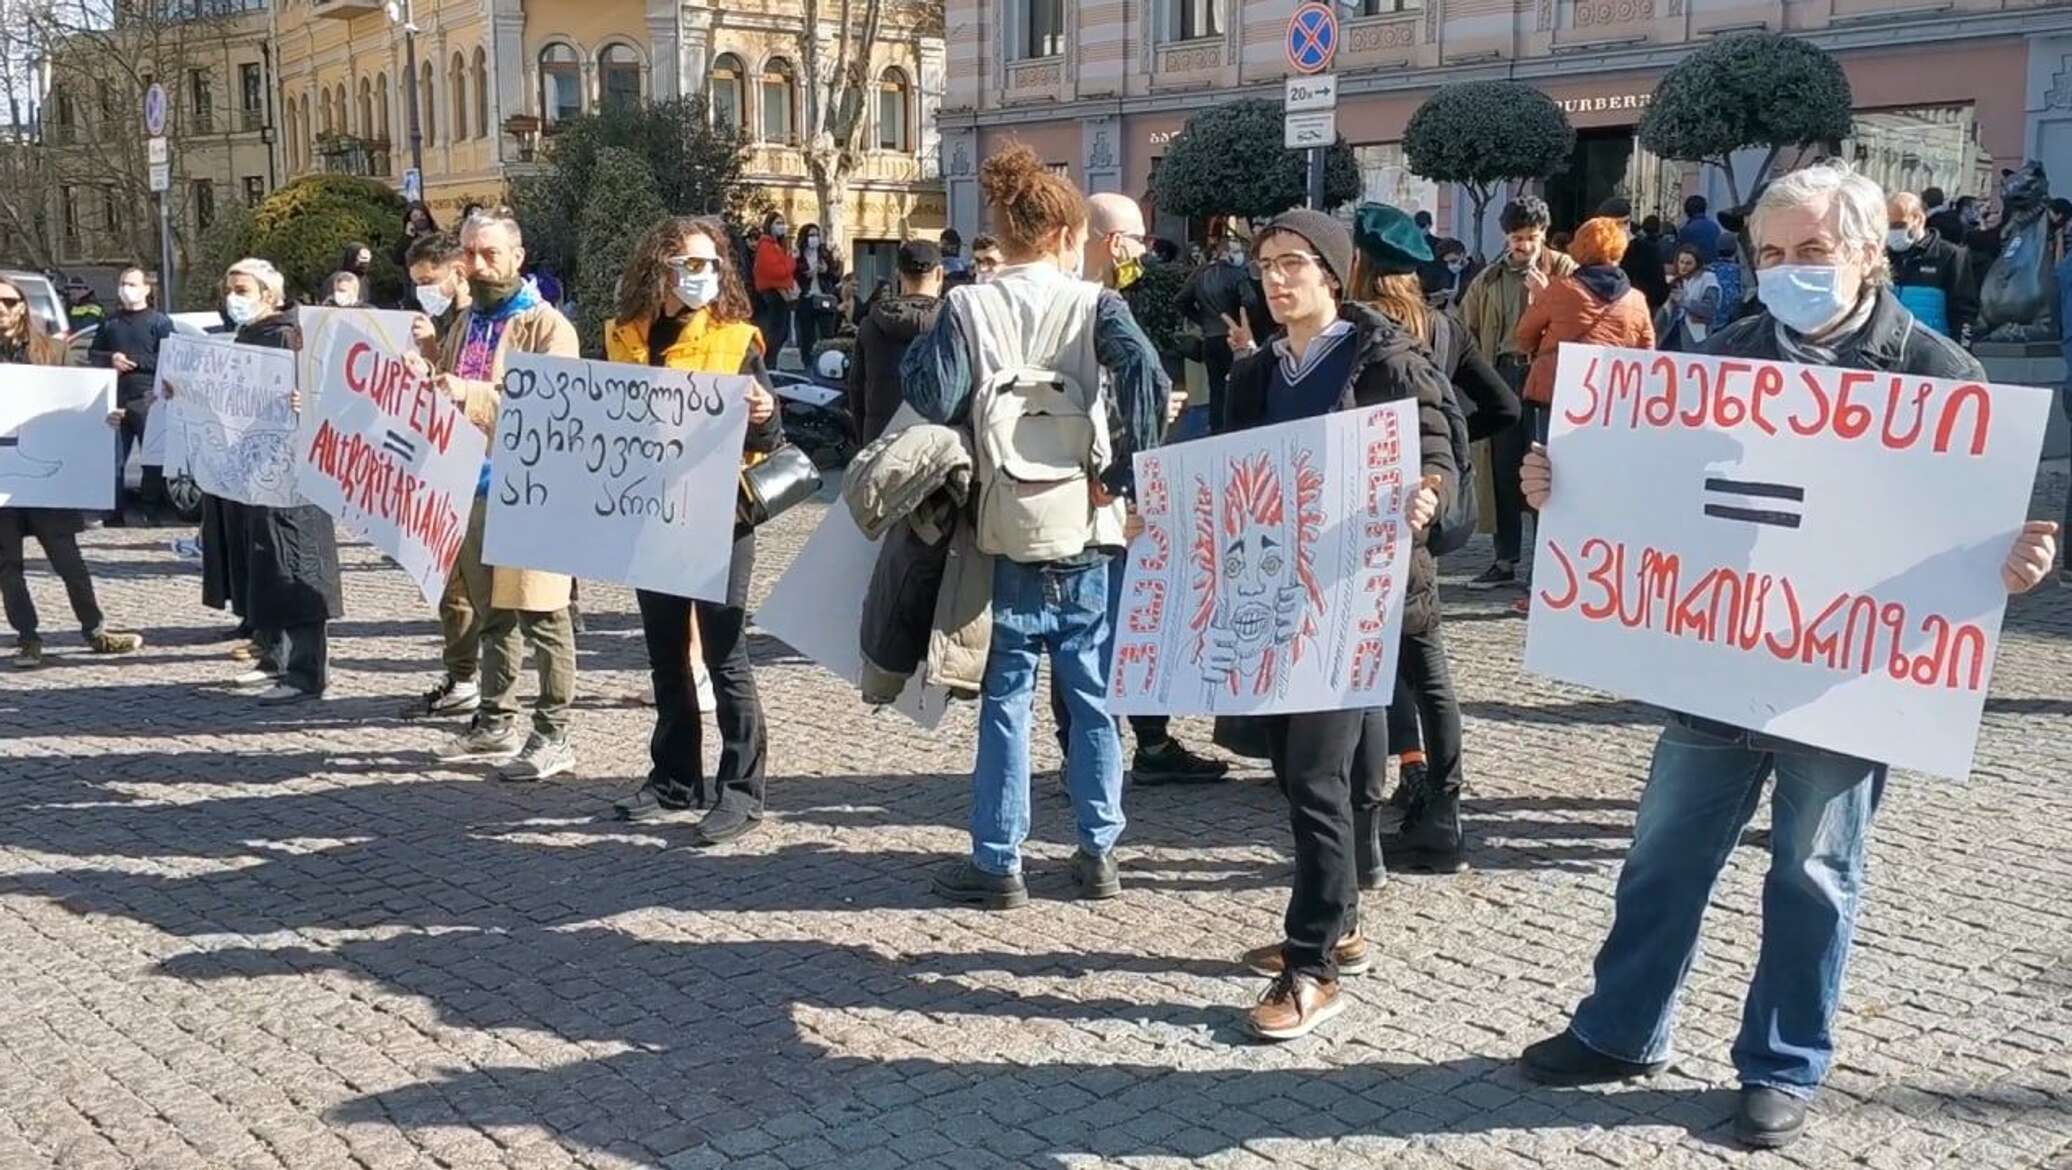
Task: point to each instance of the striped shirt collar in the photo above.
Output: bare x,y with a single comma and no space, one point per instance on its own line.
1335,334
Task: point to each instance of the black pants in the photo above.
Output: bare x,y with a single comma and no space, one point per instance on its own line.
53,528
1313,759
807,324
1508,448
1425,714
678,744
1216,356
151,489
301,654
774,319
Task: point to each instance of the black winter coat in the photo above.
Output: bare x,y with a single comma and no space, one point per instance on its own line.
1891,340
292,565
875,390
134,335
1391,365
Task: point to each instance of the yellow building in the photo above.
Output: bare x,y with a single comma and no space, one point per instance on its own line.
343,91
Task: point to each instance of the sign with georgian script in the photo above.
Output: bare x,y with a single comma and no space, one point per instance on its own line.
616,472
1269,575
390,457
1807,552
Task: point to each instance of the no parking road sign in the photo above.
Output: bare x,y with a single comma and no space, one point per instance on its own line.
1312,38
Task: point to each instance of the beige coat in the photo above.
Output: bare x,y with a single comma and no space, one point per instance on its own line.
541,329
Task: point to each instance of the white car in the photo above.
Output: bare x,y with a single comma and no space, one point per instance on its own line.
44,301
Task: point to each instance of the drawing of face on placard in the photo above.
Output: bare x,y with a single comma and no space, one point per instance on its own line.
1257,600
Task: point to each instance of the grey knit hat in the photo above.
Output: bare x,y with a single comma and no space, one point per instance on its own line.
1326,236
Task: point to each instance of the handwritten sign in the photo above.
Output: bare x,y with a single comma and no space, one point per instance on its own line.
56,448
390,457
231,421
1269,576
1807,552
616,472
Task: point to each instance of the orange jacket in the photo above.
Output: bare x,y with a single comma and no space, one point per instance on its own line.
1569,311
773,266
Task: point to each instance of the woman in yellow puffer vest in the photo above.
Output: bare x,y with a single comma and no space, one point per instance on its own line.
681,306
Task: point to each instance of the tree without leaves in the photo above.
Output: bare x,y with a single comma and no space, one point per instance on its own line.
1481,134
836,87
1747,90
1228,160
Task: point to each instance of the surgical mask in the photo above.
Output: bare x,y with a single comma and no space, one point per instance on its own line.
779,230
132,298
1128,273
1899,239
1804,297
697,289
433,299
1456,265
1234,255
241,309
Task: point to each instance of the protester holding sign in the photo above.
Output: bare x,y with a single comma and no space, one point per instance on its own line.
24,342
1821,259
439,288
525,609
1334,356
682,306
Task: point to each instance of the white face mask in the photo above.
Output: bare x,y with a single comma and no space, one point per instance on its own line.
697,289
1456,265
1899,239
241,309
1803,296
433,300
132,298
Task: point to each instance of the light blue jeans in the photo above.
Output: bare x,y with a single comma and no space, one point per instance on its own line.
1704,786
1061,611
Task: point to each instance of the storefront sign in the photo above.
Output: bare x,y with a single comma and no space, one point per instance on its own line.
1605,103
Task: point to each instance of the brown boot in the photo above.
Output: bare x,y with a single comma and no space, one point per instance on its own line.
115,642
1293,1006
1352,955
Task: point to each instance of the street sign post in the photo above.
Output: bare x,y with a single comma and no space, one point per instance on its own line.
1312,95
413,185
1316,130
154,110
1306,94
159,157
1312,38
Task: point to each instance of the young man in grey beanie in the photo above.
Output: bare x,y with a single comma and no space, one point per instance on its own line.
1335,354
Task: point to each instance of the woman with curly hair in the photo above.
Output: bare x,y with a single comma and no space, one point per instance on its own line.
681,306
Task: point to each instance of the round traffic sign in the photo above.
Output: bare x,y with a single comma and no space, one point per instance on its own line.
1312,38
154,110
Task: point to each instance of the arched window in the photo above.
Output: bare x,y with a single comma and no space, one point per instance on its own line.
304,103
367,127
381,107
338,108
618,69
481,93
427,109
724,92
778,125
561,83
458,83
892,111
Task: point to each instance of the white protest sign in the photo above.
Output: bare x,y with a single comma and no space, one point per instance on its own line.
151,452
1806,552
615,472
388,327
56,447
230,421
390,457
816,608
1269,576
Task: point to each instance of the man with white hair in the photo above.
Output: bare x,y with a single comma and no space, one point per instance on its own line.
1819,241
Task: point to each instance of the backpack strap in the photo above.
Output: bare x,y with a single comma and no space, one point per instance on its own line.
1064,310
991,313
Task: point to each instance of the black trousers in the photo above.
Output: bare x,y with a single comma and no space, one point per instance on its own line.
1216,356
150,489
1507,450
301,654
1425,714
1313,759
678,744
55,530
773,317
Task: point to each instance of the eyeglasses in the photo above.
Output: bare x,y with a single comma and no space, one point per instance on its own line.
695,265
10,302
1286,266
1137,238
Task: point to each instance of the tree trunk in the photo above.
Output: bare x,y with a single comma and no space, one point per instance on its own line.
1479,195
1733,184
831,186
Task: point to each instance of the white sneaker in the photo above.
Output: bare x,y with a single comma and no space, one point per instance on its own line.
281,694
255,679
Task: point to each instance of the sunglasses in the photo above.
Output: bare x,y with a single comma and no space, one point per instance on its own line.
695,265
10,302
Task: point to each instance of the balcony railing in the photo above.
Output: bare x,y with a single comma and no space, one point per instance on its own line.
346,9
345,155
201,120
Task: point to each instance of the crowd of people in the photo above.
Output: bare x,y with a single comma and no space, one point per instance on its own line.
1307,316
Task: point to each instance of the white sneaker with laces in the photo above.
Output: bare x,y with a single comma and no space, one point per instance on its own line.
255,679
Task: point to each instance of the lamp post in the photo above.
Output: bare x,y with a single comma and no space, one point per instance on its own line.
399,12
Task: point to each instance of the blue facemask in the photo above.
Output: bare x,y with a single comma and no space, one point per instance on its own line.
1803,296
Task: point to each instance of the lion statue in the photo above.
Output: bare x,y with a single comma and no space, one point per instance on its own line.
2016,302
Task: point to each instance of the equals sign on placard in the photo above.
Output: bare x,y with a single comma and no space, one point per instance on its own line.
1782,505
399,445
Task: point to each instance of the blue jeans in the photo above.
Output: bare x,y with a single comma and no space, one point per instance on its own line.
1701,792
1039,609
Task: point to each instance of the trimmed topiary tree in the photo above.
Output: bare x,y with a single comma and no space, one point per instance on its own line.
1482,134
305,225
1228,160
623,205
1744,91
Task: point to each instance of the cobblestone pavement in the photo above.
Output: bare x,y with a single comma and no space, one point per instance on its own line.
233,937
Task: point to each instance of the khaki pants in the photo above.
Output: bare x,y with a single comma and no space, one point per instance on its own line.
465,606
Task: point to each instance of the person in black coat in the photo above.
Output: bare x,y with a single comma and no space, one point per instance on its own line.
1219,294
1332,356
127,343
875,389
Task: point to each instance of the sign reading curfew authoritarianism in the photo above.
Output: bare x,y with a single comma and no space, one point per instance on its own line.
56,447
231,419
1269,576
390,457
1807,552
616,472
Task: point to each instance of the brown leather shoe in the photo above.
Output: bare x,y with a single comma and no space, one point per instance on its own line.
1352,954
1293,1006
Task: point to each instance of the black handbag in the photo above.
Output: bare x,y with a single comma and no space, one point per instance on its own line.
774,485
